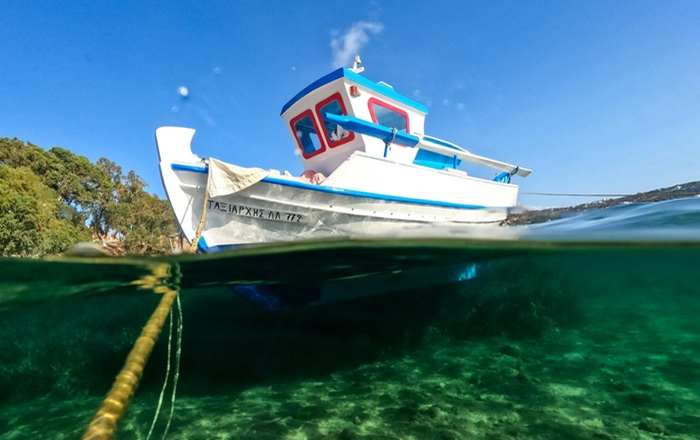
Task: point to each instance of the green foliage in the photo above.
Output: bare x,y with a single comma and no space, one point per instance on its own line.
52,199
142,220
31,218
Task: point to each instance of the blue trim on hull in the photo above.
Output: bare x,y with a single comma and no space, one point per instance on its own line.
343,191
360,80
202,245
190,168
368,195
204,248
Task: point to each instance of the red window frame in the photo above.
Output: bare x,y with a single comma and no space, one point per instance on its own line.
381,103
293,122
334,97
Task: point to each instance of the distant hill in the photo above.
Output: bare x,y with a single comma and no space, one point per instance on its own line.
689,189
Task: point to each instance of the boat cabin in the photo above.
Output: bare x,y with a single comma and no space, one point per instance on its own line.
323,144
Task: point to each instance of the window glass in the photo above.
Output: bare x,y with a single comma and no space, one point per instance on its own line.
390,118
307,135
336,134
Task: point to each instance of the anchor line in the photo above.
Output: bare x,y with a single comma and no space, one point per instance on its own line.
165,381
203,218
178,353
104,423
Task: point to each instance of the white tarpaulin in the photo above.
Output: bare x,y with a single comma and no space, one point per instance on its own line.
226,179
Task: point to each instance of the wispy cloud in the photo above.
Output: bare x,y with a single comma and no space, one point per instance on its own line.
346,45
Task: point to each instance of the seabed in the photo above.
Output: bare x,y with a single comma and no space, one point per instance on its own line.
583,344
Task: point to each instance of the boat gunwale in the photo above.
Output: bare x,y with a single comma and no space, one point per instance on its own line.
347,192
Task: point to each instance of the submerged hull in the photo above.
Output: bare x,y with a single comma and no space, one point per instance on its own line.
284,208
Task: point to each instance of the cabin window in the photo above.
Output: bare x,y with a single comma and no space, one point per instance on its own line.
334,133
388,115
306,133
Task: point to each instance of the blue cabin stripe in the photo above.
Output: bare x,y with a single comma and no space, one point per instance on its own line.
313,86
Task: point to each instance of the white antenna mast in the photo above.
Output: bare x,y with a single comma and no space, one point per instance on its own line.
357,66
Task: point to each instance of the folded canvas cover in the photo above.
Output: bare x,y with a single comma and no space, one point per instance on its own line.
226,179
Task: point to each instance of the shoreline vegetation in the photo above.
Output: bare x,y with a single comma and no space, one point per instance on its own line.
528,217
52,199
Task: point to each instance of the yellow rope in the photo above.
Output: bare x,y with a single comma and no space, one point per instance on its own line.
202,219
104,423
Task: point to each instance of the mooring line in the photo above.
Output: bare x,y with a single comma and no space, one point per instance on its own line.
165,381
104,424
178,352
203,219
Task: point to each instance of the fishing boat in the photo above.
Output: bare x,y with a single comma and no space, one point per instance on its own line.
369,168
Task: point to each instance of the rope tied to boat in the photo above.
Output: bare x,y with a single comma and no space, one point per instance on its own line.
202,218
104,424
165,381
178,353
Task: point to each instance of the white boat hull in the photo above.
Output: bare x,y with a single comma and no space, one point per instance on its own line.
284,208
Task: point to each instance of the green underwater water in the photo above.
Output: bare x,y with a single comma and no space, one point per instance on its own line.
540,340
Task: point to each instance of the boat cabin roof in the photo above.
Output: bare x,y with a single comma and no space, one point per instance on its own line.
379,88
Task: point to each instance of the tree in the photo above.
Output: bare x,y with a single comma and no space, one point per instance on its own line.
84,187
143,220
95,197
31,221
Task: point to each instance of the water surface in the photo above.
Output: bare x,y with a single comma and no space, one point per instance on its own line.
584,328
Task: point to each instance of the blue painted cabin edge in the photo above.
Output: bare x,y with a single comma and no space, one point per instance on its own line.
360,80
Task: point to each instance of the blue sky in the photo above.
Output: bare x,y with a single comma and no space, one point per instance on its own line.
595,96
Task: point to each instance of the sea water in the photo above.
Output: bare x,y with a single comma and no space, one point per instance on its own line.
583,328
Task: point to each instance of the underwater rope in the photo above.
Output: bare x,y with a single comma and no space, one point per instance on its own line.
178,352
165,381
167,372
104,424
